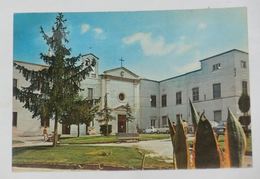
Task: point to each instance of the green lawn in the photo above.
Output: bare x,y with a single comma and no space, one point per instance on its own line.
68,155
221,143
248,140
108,139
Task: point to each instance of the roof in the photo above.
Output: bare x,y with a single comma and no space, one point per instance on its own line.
223,54
150,80
36,64
30,63
123,68
181,75
90,54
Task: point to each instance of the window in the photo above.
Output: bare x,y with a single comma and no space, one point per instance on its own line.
14,86
195,94
14,119
217,115
216,90
121,96
164,100
243,64
153,101
178,97
90,93
152,122
164,121
244,87
45,122
216,67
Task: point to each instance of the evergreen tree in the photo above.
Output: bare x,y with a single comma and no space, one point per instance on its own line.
244,103
53,89
244,106
105,115
129,116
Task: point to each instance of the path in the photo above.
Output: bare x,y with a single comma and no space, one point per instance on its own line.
30,141
157,147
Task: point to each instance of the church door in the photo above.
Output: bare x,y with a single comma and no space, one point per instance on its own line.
121,125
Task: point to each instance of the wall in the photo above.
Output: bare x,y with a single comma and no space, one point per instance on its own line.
148,88
26,126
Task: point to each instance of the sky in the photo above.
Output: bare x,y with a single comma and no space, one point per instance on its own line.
154,44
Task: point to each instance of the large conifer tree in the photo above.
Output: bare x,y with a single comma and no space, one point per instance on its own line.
53,89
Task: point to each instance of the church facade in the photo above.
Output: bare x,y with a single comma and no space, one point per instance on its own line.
216,86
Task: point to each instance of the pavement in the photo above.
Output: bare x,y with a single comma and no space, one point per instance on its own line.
30,141
161,148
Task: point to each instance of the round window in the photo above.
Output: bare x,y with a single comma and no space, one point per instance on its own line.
121,96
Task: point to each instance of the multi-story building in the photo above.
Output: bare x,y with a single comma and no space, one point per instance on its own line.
216,86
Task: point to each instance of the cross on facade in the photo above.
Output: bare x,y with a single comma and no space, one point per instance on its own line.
121,59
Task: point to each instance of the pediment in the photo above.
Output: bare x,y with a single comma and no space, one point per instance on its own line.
120,108
121,72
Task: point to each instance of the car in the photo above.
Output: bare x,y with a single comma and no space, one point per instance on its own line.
219,129
151,130
163,130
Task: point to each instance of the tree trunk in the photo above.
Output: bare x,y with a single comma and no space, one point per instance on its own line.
55,137
87,125
107,130
78,130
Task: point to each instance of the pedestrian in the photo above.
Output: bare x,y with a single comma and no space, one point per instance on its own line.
185,126
45,134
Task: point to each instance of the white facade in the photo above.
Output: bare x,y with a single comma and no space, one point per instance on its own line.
225,69
25,125
226,72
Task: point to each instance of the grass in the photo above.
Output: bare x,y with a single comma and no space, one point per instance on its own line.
221,143
108,139
71,154
248,141
144,137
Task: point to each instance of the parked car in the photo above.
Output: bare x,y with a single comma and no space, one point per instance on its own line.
163,130
219,129
151,130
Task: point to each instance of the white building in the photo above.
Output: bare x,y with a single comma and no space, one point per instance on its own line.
216,86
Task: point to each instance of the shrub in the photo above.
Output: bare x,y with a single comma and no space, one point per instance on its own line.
103,129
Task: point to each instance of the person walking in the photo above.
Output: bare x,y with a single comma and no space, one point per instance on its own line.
45,134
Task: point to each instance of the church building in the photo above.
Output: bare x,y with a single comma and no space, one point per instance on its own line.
213,88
